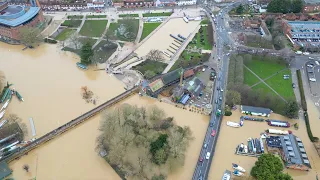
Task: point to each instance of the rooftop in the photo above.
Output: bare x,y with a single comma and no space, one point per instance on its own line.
255,109
312,1
171,76
294,151
156,85
194,86
13,17
274,142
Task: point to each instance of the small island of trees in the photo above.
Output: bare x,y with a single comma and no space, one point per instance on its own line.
142,143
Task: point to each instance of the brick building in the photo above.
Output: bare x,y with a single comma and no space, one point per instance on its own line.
13,18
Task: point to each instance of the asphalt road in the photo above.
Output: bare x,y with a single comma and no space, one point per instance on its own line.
202,169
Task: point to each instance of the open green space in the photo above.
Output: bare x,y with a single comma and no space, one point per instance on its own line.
71,23
129,31
249,78
157,14
264,88
282,86
201,39
104,50
205,21
93,28
128,15
265,66
150,68
96,16
75,16
190,59
148,28
65,34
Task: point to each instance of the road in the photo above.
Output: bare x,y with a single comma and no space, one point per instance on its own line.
202,169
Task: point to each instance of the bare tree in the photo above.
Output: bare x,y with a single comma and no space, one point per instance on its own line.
2,81
155,55
75,40
30,36
26,167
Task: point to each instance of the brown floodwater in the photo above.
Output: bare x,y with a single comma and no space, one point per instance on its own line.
50,83
230,137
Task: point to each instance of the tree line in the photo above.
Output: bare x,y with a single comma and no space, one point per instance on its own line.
285,6
142,143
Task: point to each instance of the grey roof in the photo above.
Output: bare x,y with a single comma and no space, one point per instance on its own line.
312,1
256,109
293,154
194,86
171,76
4,170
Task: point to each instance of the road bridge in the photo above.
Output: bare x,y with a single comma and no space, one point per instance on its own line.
64,128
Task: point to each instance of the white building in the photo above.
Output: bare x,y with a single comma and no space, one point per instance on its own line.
186,3
95,5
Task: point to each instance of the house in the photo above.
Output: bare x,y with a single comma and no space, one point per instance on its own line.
256,111
165,3
186,2
188,73
194,87
293,153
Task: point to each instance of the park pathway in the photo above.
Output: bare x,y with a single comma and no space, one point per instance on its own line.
140,29
102,36
265,83
268,77
82,23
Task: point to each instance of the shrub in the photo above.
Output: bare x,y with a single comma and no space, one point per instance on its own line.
228,113
50,41
303,98
311,137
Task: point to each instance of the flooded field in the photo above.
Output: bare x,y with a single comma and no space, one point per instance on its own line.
50,83
230,137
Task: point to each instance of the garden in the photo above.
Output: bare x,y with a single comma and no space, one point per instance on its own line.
148,28
150,68
104,50
124,30
128,15
96,16
157,14
71,23
93,28
65,34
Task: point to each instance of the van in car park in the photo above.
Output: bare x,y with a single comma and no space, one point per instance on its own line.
317,63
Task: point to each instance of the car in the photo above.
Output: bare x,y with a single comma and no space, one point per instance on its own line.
213,133
221,90
317,63
205,145
293,85
201,159
312,79
220,98
204,69
309,65
208,155
311,58
228,54
216,101
211,124
218,88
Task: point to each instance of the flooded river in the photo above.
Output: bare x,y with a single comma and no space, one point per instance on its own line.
50,83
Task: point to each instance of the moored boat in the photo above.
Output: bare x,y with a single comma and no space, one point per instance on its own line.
5,94
19,96
237,167
250,148
2,123
241,121
233,124
237,173
226,175
9,95
5,105
2,113
82,66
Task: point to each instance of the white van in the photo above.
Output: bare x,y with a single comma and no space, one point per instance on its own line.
208,155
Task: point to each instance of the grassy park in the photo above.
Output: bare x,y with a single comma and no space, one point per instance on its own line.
157,14
75,16
128,15
96,16
93,28
65,34
190,59
249,78
130,28
148,28
104,50
283,87
71,23
155,67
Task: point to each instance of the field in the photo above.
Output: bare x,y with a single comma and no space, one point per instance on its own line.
157,14
205,45
128,15
65,34
283,87
149,65
96,16
114,27
104,50
264,88
249,78
71,23
148,28
75,16
93,28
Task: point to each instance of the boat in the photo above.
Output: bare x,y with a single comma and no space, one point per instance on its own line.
19,96
5,105
226,175
241,121
238,168
5,94
233,124
254,148
261,145
278,123
2,113
2,123
250,148
237,173
245,149
9,95
257,142
241,147
281,132
9,146
82,66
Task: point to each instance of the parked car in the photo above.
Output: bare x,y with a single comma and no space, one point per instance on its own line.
311,58
313,79
211,124
309,65
293,85
204,69
208,155
205,145
213,133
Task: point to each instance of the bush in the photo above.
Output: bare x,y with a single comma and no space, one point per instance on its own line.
311,137
228,113
50,41
303,98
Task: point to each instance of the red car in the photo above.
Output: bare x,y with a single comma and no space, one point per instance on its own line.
213,133
200,160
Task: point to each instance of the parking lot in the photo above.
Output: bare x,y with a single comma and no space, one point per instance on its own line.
312,69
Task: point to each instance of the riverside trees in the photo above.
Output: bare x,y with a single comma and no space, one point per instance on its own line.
142,143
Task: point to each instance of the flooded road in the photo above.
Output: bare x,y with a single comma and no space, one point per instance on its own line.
50,83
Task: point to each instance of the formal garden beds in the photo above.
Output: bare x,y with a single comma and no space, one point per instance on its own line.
96,16
128,15
150,68
124,30
157,14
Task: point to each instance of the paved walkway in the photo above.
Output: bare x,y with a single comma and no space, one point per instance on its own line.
82,23
140,29
268,77
265,83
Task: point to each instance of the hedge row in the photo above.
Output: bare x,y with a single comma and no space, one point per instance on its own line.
303,98
311,137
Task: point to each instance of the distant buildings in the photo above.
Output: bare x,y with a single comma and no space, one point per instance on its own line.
151,3
14,17
256,111
291,149
311,6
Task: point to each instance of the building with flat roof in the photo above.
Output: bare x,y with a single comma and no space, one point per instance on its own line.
15,17
256,111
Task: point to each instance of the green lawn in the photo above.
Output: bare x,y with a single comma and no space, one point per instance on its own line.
264,88
128,15
104,50
148,28
154,66
249,78
93,28
186,61
96,16
157,14
205,21
197,39
71,23
265,66
282,86
117,36
75,16
65,34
